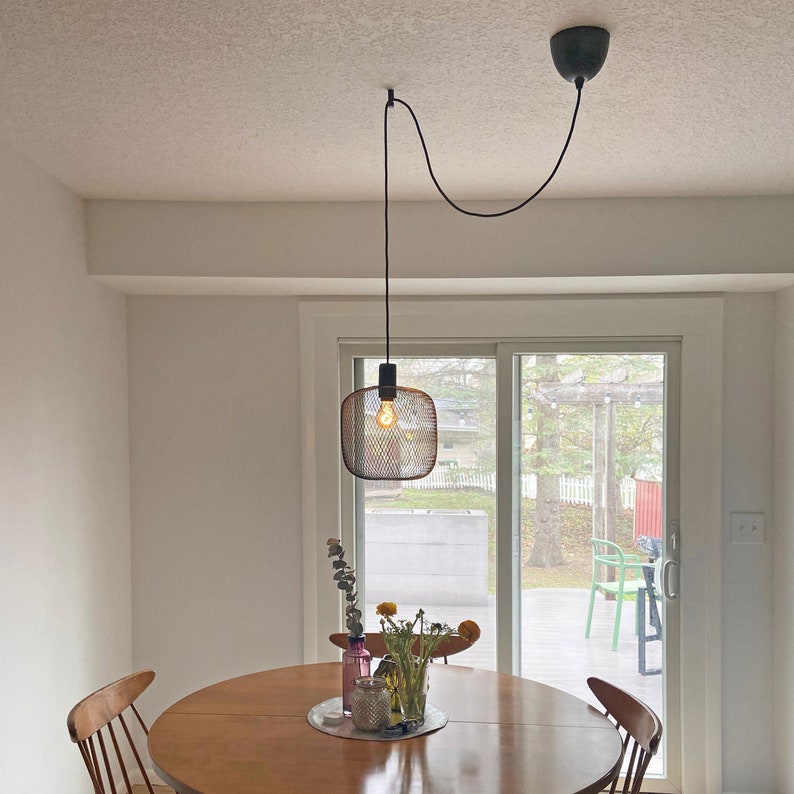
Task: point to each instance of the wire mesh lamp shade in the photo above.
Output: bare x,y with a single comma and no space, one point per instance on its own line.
403,446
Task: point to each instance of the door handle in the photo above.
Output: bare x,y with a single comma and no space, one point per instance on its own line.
668,566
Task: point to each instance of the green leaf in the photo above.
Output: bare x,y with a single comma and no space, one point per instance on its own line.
339,564
342,585
339,575
351,596
354,627
334,551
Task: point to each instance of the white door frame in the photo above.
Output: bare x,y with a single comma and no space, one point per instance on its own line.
696,321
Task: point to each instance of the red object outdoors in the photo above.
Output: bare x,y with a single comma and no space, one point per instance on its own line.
647,509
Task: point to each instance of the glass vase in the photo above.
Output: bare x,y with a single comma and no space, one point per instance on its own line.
412,689
371,704
355,664
387,669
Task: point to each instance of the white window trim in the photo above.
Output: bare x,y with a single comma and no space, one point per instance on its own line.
697,321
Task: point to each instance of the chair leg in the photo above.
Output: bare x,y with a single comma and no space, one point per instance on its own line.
640,607
618,611
590,611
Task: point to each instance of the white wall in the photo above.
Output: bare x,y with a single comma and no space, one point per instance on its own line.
215,489
179,498
65,621
748,627
784,542
557,238
215,428
209,502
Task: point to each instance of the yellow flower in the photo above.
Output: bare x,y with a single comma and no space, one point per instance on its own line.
387,609
470,631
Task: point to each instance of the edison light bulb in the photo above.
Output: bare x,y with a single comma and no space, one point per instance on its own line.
386,416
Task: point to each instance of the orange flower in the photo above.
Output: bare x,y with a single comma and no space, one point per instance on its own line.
470,631
387,609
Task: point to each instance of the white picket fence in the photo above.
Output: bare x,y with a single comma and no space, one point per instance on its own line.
573,490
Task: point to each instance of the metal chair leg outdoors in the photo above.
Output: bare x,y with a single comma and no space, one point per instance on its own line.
616,559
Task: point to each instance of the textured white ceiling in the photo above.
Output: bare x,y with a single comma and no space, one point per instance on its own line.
283,100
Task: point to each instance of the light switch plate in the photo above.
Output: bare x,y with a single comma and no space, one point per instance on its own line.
748,528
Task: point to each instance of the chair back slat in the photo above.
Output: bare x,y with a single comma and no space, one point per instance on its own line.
140,719
643,729
118,751
134,748
93,717
89,756
106,761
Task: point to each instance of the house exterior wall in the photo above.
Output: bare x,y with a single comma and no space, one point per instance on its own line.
65,620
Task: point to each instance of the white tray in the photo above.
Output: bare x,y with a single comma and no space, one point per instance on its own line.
434,719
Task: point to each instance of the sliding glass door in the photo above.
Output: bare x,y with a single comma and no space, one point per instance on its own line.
549,454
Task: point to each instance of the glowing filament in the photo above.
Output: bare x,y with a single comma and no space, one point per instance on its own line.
386,416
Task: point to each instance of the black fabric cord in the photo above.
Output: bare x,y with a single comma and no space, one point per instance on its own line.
517,206
390,103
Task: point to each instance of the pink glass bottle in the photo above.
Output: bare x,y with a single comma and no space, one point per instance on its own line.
355,663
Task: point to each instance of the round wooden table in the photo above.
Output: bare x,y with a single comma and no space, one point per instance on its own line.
505,734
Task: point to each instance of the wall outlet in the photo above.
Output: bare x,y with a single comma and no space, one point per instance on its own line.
748,528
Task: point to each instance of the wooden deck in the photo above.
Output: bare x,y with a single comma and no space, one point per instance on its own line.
554,649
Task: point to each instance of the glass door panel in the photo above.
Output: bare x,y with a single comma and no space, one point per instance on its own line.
430,543
592,479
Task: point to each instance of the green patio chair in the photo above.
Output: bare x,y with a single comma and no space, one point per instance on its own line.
612,556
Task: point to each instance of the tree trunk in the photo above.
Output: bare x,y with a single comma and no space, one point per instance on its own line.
547,547
611,473
599,464
611,485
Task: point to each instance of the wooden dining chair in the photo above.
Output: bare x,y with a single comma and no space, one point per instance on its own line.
641,726
375,645
90,725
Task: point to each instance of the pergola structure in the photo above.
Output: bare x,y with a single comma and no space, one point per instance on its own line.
604,397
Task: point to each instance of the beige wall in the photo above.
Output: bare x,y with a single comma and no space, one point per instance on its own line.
202,373
65,620
575,239
784,541
748,627
214,394
215,489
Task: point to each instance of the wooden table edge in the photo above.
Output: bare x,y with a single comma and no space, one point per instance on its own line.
184,788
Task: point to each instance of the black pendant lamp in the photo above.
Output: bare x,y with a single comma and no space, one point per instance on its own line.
390,432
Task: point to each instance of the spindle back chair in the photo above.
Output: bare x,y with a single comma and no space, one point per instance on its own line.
90,725
643,730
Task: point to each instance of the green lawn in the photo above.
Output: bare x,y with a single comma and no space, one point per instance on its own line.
575,532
